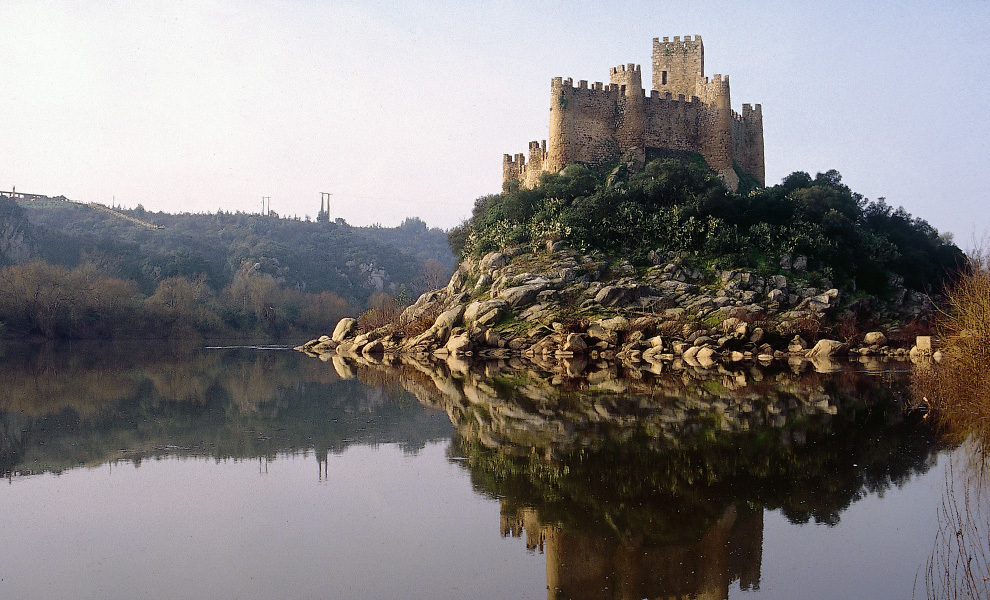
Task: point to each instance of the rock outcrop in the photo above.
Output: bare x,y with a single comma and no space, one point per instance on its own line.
562,305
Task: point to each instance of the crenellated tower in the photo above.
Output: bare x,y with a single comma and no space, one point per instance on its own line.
630,125
685,111
679,65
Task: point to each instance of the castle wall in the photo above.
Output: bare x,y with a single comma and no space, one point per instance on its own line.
685,111
716,127
582,124
672,122
747,141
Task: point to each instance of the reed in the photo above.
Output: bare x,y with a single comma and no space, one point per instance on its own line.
957,389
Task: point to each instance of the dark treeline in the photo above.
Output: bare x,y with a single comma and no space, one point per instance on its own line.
676,206
352,262
40,299
72,270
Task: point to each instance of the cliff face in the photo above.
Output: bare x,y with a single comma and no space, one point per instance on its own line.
16,242
560,305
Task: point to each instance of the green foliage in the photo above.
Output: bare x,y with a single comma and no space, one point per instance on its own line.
680,205
309,256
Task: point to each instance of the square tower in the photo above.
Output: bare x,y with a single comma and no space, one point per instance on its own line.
678,65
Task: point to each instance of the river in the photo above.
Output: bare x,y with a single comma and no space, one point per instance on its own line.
148,471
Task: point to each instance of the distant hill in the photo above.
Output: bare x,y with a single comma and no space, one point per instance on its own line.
147,247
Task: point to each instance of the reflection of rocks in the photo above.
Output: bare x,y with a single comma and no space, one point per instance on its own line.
581,565
515,404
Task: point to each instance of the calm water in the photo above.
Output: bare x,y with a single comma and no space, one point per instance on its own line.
136,472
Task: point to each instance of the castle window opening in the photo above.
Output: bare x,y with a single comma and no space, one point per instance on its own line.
663,78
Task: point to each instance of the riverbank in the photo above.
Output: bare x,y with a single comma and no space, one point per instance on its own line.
559,305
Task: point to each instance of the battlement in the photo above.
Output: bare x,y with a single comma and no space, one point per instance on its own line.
684,111
677,44
559,85
752,112
631,67
666,97
677,39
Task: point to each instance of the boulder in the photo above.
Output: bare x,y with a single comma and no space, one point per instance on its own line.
484,282
491,338
416,310
522,295
705,355
614,295
375,348
677,287
875,338
574,343
492,261
615,324
825,348
797,344
449,318
701,340
457,280
345,328
459,344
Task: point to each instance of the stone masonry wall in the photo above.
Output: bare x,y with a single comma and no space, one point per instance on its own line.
582,124
599,124
678,65
747,141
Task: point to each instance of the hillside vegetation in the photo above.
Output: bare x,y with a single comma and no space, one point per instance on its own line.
676,206
75,270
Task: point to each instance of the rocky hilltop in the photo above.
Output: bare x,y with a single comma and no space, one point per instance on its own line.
555,305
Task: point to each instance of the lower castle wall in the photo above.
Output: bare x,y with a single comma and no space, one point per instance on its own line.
671,124
582,127
747,147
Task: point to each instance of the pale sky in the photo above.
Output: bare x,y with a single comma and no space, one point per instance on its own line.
406,108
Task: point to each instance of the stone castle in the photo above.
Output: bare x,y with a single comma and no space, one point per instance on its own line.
684,112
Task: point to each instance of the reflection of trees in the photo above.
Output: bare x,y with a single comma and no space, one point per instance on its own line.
617,488
96,403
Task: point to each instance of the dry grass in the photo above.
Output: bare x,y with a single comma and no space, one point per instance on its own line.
958,391
424,321
383,309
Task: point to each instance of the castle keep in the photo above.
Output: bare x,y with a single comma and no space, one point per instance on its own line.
683,112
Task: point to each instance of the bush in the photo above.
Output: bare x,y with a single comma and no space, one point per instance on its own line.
676,206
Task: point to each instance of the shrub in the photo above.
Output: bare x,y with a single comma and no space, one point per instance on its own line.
676,206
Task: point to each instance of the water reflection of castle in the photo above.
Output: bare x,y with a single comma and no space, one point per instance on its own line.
589,565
